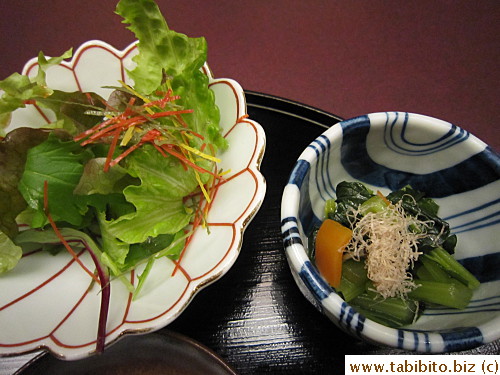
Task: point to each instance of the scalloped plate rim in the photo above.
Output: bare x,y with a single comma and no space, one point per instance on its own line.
241,223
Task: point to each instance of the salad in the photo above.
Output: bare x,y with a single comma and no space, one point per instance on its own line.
127,178
389,256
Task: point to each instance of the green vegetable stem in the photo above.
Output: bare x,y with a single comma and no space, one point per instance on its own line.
453,267
392,312
354,279
451,294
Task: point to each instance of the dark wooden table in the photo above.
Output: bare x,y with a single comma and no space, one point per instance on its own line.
438,58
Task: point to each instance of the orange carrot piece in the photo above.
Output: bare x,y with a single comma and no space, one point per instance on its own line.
331,241
387,201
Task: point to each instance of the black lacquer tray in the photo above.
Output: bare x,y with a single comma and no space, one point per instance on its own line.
255,316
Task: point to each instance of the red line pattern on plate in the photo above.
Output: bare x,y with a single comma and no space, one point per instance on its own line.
193,283
47,281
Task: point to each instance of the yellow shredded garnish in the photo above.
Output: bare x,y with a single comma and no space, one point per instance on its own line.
185,133
127,136
202,187
199,153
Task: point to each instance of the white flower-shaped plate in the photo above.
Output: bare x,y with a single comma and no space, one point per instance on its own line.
46,302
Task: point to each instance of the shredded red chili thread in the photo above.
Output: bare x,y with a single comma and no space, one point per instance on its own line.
181,121
117,125
201,214
150,136
132,119
111,151
214,188
89,98
123,118
92,130
198,135
169,148
162,102
195,225
58,233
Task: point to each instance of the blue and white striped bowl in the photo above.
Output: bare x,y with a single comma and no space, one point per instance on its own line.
386,151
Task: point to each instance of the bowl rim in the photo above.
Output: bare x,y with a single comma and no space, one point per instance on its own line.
323,296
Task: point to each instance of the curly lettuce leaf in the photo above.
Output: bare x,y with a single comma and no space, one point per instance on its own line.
68,107
158,199
115,249
60,164
10,253
95,181
122,257
44,64
156,214
13,154
194,93
167,55
161,50
165,173
19,88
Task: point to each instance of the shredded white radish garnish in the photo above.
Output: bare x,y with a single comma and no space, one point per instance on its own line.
390,248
